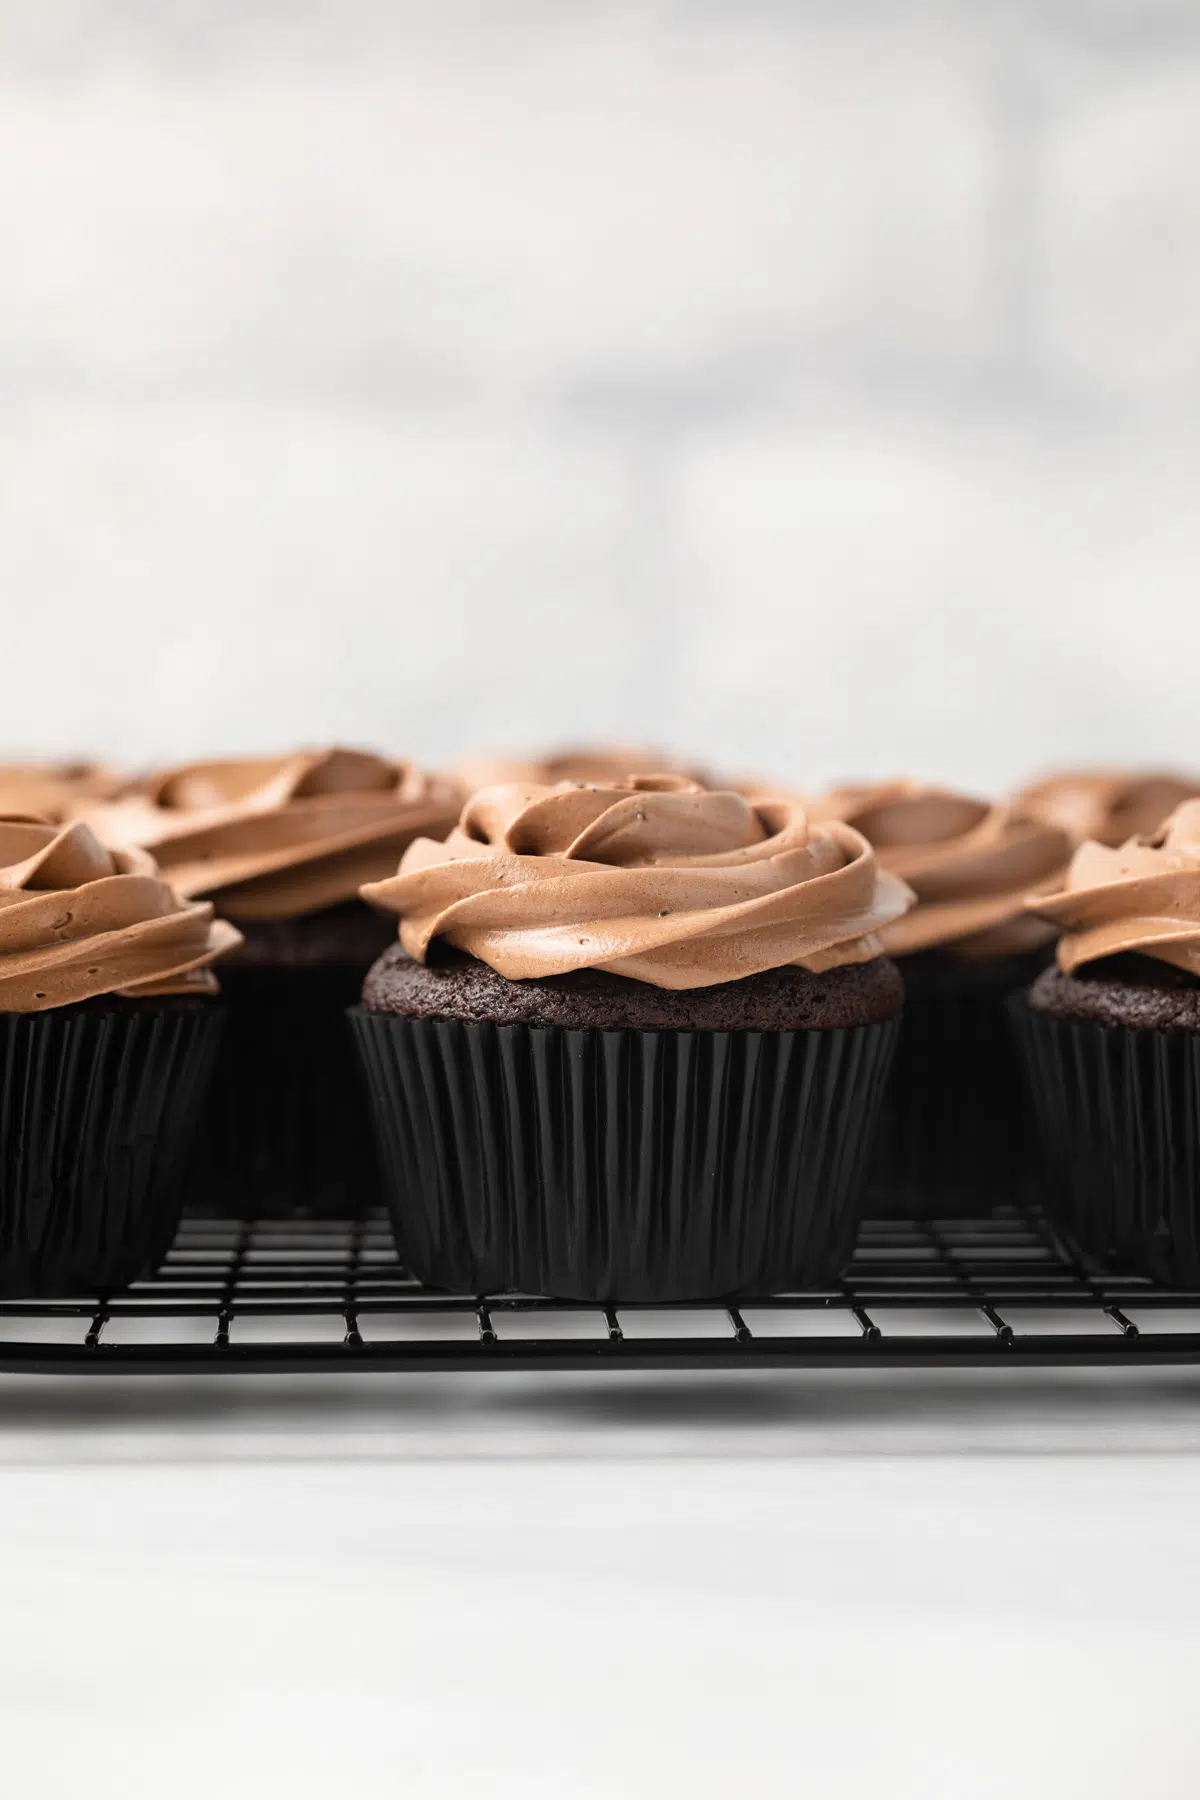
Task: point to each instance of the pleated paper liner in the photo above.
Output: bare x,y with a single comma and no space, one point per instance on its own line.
1119,1116
98,1109
286,1127
951,1142
622,1165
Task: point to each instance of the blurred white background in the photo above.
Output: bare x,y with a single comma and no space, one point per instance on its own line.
810,384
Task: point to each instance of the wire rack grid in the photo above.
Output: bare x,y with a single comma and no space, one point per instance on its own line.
274,1296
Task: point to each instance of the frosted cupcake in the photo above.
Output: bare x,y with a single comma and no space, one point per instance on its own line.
1112,1033
951,1141
107,1032
631,1042
280,845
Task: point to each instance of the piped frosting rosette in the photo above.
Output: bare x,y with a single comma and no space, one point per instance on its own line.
602,764
1143,896
1107,806
279,837
657,879
78,920
970,863
50,790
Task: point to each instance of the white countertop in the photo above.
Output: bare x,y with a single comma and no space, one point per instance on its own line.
852,1584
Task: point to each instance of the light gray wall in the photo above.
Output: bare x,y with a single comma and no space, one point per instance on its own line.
811,383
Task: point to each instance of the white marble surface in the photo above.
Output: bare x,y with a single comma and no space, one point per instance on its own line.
911,1587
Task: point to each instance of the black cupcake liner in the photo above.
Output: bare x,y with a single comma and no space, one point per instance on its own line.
622,1165
97,1113
1118,1111
951,1140
286,1129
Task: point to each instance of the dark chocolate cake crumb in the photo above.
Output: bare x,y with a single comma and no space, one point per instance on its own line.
1134,991
456,986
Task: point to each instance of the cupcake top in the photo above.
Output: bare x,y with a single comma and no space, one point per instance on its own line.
78,920
278,837
1143,896
600,763
656,878
50,790
1107,806
971,864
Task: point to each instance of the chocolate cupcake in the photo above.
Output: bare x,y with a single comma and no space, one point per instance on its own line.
950,1140
631,1043
1112,1037
281,845
1107,806
107,1037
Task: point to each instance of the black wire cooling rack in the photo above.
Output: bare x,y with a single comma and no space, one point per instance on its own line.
278,1296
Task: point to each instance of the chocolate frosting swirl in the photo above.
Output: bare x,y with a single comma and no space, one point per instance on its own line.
657,879
78,920
604,764
278,837
970,863
1107,806
50,790
1143,896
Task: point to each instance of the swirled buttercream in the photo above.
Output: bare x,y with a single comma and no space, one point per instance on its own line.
279,837
1142,896
971,865
1107,806
78,920
50,790
605,764
656,879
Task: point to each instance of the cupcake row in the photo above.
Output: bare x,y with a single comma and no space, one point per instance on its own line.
599,1025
